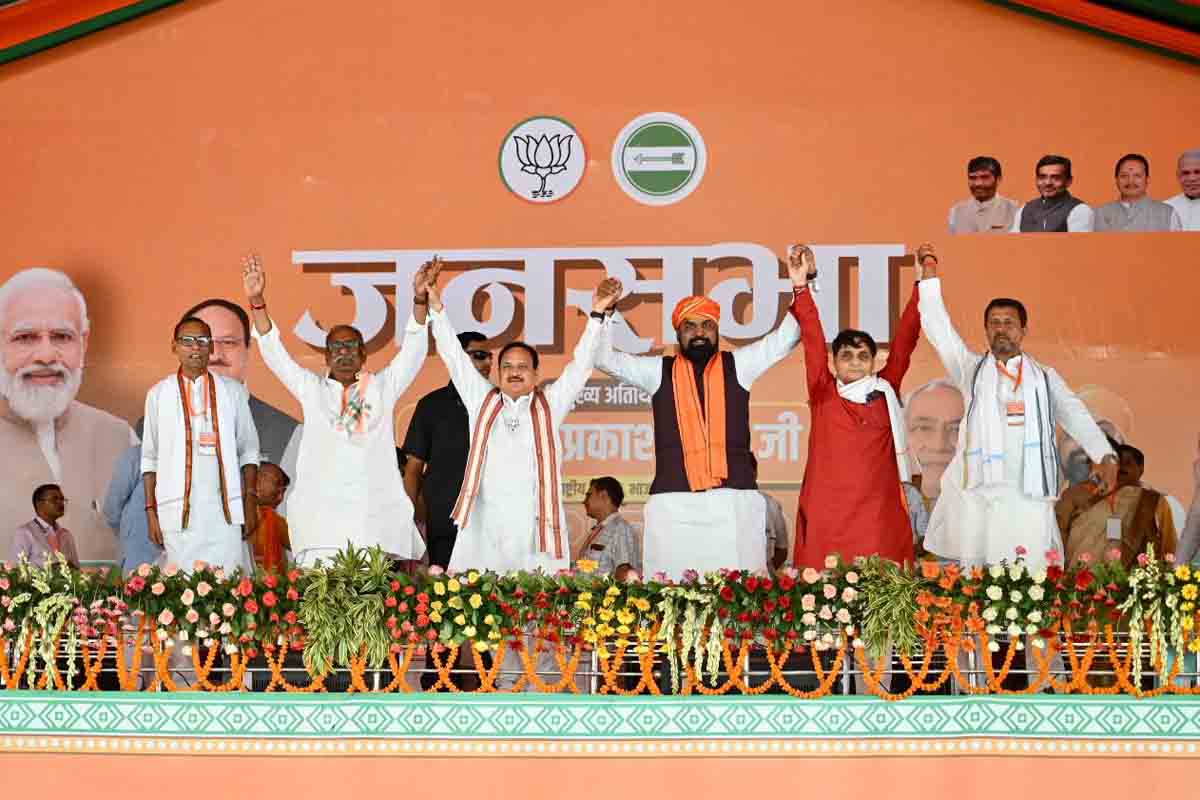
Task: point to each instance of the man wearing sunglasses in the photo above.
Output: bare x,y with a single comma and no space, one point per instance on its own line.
199,458
348,488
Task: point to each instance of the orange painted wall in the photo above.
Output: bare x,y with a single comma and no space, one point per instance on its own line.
146,159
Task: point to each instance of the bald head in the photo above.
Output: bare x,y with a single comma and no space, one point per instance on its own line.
1188,173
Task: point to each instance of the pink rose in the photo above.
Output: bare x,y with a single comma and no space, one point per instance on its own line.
4,584
166,617
203,589
810,575
831,562
1053,556
1021,550
214,618
1143,559
808,602
843,616
192,616
825,613
851,577
436,570
144,570
228,609
197,566
1169,558
171,570
830,591
188,597
158,588
849,595
1086,558
1113,554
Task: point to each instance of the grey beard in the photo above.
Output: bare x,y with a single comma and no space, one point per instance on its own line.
36,404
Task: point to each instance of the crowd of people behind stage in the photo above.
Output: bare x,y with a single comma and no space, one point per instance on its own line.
1055,209
214,474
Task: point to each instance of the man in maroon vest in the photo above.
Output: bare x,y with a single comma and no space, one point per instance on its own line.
704,511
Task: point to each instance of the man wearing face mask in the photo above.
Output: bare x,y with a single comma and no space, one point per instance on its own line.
999,491
705,511
348,488
852,502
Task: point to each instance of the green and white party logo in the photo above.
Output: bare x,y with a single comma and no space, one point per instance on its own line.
659,158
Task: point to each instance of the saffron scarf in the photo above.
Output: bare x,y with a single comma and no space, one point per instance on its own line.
702,434
185,398
544,438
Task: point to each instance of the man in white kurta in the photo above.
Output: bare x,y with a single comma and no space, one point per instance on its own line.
199,459
723,526
348,488
502,531
1187,202
998,492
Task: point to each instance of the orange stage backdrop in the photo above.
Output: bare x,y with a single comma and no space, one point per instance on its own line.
146,159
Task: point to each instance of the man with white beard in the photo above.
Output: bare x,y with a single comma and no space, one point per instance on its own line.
47,436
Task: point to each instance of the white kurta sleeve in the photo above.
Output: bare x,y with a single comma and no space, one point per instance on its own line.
1076,420
562,393
1082,219
293,376
246,433
150,432
956,357
753,360
1176,222
471,386
398,375
644,372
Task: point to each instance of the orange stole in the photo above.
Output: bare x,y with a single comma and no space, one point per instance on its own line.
270,540
703,436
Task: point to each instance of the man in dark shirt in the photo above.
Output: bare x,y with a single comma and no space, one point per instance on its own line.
437,445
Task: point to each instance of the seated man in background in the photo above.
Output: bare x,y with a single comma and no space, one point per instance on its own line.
612,542
985,211
271,541
1134,210
1131,518
42,536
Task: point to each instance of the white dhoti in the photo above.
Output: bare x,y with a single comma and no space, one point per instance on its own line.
705,531
208,537
986,525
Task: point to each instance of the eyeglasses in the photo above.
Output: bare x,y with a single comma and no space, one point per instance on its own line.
194,341
480,355
343,346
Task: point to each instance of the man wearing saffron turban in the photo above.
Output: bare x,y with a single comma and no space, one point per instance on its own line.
704,511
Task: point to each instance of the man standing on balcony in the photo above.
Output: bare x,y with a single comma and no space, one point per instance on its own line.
348,489
999,491
705,511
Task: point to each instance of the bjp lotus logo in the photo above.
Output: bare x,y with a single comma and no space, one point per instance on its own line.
542,159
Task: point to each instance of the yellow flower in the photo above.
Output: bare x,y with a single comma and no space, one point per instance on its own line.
435,616
625,617
489,620
585,605
437,605
622,642
454,585
476,601
623,630
613,591
585,596
472,577
1188,623
586,565
493,635
606,615
460,620
482,647
455,602
1194,645
1190,591
469,631
439,588
642,603
1183,572
604,630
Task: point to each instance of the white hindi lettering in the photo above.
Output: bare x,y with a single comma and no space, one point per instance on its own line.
490,271
625,441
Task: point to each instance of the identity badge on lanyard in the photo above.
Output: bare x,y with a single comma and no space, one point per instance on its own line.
1014,410
206,440
1112,527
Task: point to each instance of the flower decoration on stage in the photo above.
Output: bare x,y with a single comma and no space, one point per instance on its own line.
543,156
1013,601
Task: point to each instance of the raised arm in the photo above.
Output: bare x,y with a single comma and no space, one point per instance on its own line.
270,345
804,310
904,342
399,374
956,357
562,392
644,372
753,360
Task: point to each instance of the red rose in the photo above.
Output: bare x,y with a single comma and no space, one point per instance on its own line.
422,620
274,617
770,634
751,583
245,587
727,594
422,598
410,590
786,584
269,599
431,634
251,606
734,576
785,600
403,608
722,612
1054,572
769,605
1084,579
294,575
290,618
271,581
390,602
391,622
744,616
292,594
767,584
788,616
